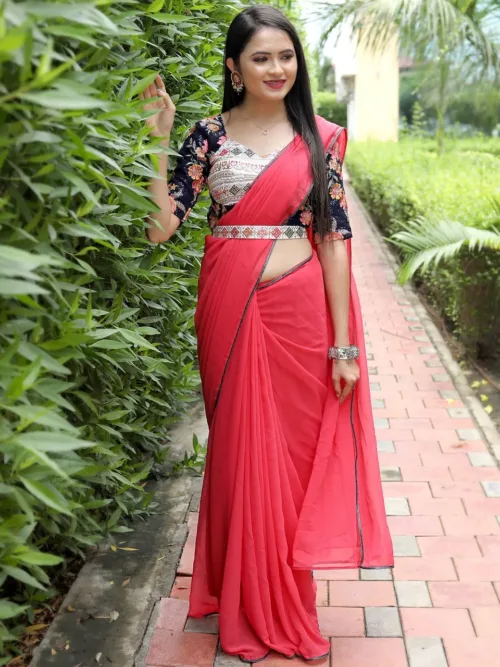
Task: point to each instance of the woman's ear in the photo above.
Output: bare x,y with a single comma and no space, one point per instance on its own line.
231,64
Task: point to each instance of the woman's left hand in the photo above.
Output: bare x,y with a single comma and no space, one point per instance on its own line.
348,372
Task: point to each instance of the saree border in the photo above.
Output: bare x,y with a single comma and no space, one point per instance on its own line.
356,481
284,275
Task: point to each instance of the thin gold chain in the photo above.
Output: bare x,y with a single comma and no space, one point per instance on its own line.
264,130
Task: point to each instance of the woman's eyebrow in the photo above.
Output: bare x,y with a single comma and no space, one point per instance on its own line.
268,53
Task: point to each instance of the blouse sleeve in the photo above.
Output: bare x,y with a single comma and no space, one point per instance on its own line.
340,227
190,174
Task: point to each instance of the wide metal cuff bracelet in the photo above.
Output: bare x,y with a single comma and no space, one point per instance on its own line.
343,353
259,232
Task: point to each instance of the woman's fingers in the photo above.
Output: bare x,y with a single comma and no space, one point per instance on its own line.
159,82
348,387
336,385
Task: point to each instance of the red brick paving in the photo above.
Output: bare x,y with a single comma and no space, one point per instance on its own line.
453,522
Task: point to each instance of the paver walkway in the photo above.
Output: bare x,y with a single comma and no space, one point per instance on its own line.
440,606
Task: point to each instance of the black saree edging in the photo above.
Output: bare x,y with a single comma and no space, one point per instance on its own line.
356,458
298,266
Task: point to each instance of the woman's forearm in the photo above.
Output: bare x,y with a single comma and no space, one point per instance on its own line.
336,275
159,190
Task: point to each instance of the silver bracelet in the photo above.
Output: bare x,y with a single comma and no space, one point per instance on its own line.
343,353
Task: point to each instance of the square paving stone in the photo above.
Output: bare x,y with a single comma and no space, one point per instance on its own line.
187,649
366,652
381,422
426,652
375,386
412,594
421,338
449,393
458,413
378,403
386,446
442,377
208,625
224,660
382,622
397,507
405,546
491,489
372,370
481,459
411,318
377,574
468,434
390,474
427,350
369,356
433,363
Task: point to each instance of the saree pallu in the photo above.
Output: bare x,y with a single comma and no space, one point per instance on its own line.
292,481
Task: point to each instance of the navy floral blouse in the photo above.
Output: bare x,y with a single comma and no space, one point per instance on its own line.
209,157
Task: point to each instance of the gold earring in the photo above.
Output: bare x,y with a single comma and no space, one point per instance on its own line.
237,82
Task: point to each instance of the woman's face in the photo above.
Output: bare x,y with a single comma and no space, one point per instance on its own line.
268,64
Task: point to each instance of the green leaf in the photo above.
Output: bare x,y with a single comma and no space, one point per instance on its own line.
171,18
13,287
45,416
47,494
45,441
12,40
70,340
115,414
33,557
55,99
141,84
21,575
155,6
10,609
136,339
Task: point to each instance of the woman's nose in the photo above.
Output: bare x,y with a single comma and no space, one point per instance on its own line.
276,67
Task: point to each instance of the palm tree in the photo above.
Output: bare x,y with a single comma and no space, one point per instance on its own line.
448,34
426,243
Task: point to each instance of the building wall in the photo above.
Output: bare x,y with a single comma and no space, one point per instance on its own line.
369,84
376,94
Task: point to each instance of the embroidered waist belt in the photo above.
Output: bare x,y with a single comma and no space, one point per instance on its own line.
260,232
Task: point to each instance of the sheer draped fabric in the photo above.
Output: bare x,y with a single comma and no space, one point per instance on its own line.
292,480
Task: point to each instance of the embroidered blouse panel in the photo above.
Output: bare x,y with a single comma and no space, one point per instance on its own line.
209,157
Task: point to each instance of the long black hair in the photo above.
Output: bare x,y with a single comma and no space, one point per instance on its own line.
298,101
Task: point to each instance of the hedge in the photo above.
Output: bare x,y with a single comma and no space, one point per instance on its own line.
97,348
399,182
326,105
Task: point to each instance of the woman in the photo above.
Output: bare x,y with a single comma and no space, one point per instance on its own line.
292,481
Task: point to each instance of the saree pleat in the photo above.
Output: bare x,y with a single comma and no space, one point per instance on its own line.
292,480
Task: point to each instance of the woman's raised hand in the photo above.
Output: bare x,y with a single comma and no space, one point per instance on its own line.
162,121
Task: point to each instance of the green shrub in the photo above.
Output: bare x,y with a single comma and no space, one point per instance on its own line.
326,105
97,348
399,182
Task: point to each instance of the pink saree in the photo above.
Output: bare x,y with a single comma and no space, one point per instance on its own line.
292,481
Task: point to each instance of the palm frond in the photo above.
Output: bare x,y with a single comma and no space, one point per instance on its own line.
426,243
418,22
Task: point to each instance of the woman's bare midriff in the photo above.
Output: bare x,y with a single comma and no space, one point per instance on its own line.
286,254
